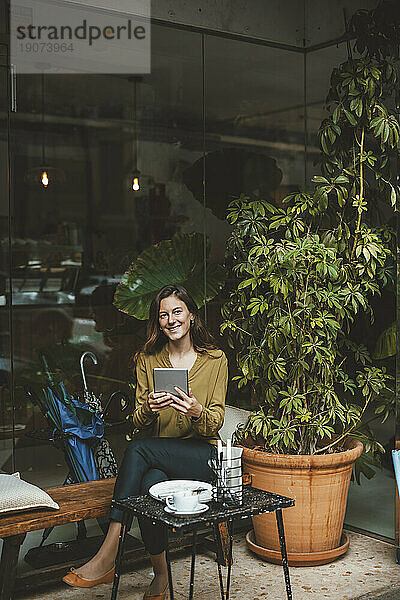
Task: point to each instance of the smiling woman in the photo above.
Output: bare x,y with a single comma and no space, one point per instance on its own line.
173,314
177,338
179,431
174,318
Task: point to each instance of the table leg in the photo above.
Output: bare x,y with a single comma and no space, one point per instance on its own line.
225,594
221,535
217,541
81,530
221,582
170,583
228,579
191,587
8,565
282,542
118,560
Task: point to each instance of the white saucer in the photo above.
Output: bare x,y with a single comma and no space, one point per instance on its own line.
202,508
161,490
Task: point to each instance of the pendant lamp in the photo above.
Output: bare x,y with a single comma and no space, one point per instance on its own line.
44,175
137,182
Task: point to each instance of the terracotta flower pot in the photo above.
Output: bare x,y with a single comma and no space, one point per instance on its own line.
319,484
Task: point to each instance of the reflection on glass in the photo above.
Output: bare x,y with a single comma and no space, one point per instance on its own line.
319,69
10,422
254,142
376,515
75,234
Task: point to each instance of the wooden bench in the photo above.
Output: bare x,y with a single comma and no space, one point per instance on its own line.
77,502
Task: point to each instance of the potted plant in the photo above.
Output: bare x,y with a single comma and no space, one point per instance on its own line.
301,277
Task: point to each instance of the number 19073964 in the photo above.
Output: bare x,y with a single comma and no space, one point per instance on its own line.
46,47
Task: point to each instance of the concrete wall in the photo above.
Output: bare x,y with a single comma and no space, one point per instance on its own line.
282,21
291,22
271,20
264,19
325,19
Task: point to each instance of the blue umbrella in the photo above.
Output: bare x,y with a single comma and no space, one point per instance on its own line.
104,457
79,427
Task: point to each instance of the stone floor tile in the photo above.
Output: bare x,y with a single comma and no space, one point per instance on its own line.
367,572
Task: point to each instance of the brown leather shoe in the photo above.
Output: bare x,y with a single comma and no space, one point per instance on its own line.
161,596
76,580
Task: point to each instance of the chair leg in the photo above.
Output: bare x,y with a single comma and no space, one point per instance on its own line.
221,582
8,564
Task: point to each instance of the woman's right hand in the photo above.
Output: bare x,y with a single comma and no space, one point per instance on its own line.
158,401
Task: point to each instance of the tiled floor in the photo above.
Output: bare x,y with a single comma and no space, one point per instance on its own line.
368,572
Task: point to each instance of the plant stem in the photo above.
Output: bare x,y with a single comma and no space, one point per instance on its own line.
346,433
357,231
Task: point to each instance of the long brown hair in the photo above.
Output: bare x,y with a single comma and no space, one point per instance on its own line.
201,338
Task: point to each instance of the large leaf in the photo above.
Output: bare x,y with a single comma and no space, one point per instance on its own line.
386,343
179,260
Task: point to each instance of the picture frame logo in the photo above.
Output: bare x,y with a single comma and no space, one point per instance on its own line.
70,37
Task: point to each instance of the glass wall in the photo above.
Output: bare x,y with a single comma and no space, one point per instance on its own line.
377,514
254,141
319,66
74,234
215,118
74,237
8,417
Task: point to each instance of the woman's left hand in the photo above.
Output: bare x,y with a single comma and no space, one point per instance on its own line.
187,405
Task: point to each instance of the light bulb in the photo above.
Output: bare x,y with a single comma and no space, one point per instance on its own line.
135,184
44,179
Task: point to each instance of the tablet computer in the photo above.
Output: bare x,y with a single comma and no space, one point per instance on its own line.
165,380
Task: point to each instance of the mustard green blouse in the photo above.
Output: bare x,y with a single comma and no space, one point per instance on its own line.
208,379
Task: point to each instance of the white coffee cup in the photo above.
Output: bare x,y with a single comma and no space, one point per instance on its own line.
183,502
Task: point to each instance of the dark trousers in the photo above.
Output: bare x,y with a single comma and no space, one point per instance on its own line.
150,461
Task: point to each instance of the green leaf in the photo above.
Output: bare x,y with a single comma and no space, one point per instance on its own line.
179,260
350,117
336,114
324,145
386,131
393,196
319,179
245,283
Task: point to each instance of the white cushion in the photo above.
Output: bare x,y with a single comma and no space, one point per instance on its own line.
233,417
16,494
